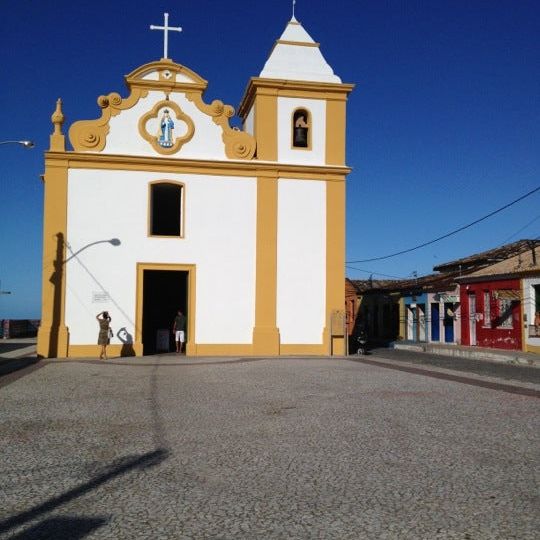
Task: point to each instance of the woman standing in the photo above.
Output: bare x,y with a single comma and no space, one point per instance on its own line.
104,332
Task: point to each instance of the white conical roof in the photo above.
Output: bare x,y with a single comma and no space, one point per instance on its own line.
297,57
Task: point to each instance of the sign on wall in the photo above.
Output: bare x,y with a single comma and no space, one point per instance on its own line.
100,297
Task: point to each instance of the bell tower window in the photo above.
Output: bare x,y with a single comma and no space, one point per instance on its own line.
301,129
166,209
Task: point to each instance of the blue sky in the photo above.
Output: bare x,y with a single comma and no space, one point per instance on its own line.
443,126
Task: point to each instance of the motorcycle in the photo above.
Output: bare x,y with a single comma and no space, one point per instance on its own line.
362,344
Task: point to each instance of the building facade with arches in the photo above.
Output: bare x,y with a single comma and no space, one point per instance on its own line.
160,205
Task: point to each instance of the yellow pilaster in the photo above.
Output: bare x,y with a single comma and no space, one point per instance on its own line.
266,124
53,335
335,130
335,259
402,319
265,332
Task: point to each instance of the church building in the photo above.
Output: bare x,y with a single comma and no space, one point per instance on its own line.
160,205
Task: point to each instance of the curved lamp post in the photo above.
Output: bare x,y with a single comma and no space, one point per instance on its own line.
26,144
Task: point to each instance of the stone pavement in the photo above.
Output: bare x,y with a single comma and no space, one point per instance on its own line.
179,448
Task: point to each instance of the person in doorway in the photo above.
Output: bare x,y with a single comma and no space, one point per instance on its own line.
179,331
105,332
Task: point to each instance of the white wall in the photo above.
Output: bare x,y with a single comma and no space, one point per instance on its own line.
220,219
301,261
286,153
529,307
124,137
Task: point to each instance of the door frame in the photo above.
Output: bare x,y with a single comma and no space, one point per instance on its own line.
435,321
472,318
191,271
448,323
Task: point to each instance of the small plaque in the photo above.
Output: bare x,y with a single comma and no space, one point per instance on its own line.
337,323
100,297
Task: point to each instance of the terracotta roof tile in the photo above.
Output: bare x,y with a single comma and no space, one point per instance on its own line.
485,258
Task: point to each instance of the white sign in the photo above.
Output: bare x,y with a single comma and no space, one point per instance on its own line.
100,297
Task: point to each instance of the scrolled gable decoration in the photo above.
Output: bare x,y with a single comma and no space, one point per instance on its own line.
91,135
238,144
164,141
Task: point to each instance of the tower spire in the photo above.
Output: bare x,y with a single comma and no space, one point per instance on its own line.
293,18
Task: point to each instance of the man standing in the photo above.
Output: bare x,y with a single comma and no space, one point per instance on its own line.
179,327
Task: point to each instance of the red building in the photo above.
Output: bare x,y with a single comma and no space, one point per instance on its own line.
490,294
491,313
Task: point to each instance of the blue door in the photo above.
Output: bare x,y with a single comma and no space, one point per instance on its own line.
449,323
435,318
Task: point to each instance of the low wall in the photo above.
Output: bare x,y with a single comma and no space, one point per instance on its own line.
13,328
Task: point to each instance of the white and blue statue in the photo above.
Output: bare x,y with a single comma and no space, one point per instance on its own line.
165,133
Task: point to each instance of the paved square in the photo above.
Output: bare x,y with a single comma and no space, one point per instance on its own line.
263,448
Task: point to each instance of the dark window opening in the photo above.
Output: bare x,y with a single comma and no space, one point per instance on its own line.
301,125
166,210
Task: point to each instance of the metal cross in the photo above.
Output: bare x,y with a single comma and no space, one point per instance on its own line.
166,29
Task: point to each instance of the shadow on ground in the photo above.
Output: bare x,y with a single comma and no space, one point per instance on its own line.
9,365
61,528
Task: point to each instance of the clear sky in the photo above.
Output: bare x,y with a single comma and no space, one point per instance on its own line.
443,125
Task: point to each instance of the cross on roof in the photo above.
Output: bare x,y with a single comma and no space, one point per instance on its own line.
166,29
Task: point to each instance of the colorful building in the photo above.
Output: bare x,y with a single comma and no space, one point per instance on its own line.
500,303
488,299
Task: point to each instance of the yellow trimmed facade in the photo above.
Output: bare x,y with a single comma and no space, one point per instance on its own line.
249,163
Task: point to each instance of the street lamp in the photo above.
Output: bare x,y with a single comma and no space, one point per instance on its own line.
3,292
26,144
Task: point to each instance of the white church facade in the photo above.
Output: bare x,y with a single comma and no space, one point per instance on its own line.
161,206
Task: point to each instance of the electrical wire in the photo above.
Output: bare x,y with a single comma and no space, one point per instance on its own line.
522,229
373,272
451,233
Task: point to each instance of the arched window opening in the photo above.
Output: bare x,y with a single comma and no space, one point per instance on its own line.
166,209
301,128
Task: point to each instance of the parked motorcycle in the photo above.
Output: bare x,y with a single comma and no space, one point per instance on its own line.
362,344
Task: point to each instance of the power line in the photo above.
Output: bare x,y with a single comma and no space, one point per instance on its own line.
450,233
522,229
372,272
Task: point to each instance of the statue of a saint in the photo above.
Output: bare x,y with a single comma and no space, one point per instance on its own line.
166,126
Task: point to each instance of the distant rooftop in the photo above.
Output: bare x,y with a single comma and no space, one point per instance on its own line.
489,257
431,282
526,262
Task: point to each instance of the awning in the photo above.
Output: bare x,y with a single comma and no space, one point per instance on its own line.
507,294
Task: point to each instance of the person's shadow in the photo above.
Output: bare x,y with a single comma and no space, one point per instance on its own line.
127,342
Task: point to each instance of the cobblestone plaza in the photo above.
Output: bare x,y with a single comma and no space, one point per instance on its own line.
173,448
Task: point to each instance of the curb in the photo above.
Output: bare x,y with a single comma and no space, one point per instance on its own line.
510,358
